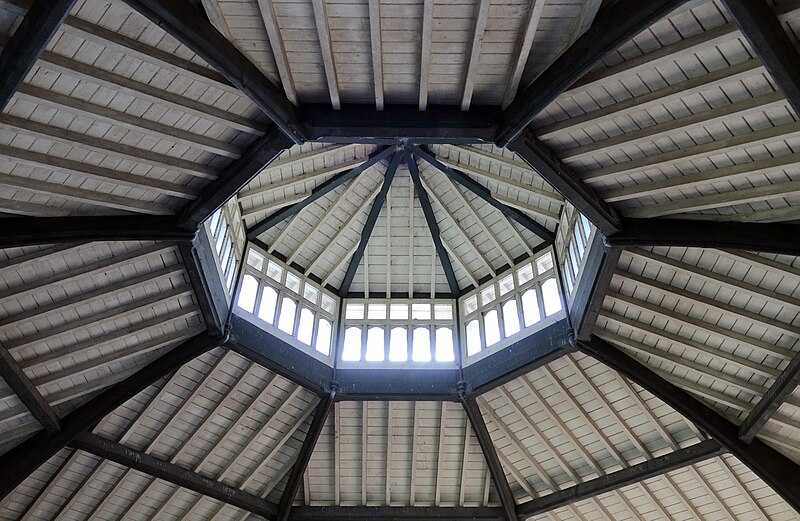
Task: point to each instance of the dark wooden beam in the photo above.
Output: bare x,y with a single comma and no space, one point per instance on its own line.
28,42
519,358
769,403
369,225
628,476
304,456
771,238
566,182
209,290
775,469
26,231
235,177
28,394
187,24
29,455
384,383
611,28
490,454
433,226
598,270
399,123
484,193
766,35
320,191
389,513
143,462
267,350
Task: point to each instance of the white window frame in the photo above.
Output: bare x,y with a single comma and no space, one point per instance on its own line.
387,324
575,233
227,256
497,304
280,288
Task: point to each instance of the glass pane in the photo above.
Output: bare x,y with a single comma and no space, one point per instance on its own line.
510,318
578,241
530,307
421,311
473,337
231,275
323,341
286,319
215,220
544,263
567,279
221,237
226,253
443,312
293,282
573,257
444,345
487,295
471,305
255,260
376,311
552,300
398,345
269,301
310,293
351,350
328,304
247,294
525,273
305,329
398,311
354,311
421,346
506,284
587,227
374,345
491,327
274,271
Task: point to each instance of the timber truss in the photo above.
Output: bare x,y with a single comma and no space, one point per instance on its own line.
403,135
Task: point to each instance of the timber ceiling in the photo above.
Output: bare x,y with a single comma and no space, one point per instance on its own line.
123,396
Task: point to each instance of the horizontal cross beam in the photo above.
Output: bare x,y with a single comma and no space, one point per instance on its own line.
390,513
778,392
26,457
26,231
172,473
775,469
763,237
645,470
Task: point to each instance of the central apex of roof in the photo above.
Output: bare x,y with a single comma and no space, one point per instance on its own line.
372,219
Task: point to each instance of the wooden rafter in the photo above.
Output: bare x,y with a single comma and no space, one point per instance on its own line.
481,18
775,469
369,225
191,27
278,48
783,386
27,392
376,41
326,48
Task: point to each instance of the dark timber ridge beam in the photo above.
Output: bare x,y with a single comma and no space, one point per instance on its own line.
369,225
484,193
645,470
763,237
389,513
258,156
767,36
143,462
26,231
28,42
320,191
612,28
783,386
561,177
28,394
399,123
299,468
490,454
592,284
183,21
29,455
776,470
433,226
